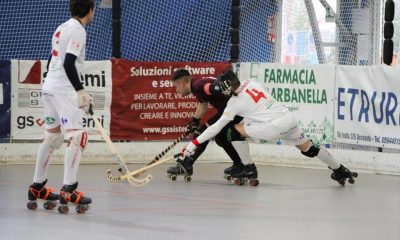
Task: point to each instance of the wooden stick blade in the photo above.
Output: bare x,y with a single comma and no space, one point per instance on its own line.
111,178
140,182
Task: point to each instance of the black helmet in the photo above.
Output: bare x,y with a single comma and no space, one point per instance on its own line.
229,82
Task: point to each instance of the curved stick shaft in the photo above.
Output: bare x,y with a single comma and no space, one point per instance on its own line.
145,168
159,156
109,143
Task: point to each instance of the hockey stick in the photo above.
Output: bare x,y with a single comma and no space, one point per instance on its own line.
117,157
159,156
130,175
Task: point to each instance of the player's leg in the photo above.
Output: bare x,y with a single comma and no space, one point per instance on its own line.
235,146
53,139
185,166
340,173
249,170
72,121
237,149
73,154
311,149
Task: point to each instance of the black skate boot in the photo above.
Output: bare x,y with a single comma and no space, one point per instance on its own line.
69,194
342,174
183,167
235,168
39,191
248,172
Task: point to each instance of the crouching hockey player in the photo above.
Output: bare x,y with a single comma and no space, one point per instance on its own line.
207,90
264,120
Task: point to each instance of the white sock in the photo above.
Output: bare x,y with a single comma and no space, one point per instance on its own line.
242,148
73,154
327,158
43,159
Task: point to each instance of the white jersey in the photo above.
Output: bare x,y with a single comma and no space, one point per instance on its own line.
70,37
253,102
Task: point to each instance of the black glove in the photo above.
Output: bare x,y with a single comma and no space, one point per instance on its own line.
194,125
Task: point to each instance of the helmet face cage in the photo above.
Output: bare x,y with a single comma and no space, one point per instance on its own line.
226,86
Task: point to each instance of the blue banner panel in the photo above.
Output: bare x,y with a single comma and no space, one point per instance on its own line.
5,100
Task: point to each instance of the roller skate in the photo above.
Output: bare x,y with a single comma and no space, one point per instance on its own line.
342,174
39,191
183,167
247,174
235,168
70,194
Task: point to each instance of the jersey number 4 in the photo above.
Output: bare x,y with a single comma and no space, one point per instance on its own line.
255,94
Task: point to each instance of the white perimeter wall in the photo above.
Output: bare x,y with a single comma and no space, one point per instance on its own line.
143,152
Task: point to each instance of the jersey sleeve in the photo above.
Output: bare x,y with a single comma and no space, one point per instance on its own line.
77,42
228,115
213,130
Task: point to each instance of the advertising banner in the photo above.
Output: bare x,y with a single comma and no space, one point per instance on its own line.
27,119
5,105
306,90
367,109
145,105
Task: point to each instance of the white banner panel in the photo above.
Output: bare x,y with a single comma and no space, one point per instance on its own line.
27,116
307,90
367,108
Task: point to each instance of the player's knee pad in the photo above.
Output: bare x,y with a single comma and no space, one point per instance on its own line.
54,140
78,138
228,135
312,151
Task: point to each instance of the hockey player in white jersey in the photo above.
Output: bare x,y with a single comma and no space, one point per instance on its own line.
264,120
65,102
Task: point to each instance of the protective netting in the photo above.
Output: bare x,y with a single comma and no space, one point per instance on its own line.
310,31
296,31
27,26
175,30
257,27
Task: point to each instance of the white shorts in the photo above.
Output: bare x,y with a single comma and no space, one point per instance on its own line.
285,128
62,109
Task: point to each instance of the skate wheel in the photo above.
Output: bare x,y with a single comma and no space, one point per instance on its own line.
49,205
240,181
81,209
188,179
354,174
173,177
341,182
229,178
32,205
254,182
63,209
351,180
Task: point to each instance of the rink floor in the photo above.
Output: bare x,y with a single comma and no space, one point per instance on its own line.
289,203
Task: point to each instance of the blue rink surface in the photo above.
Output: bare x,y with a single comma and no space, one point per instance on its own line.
289,203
